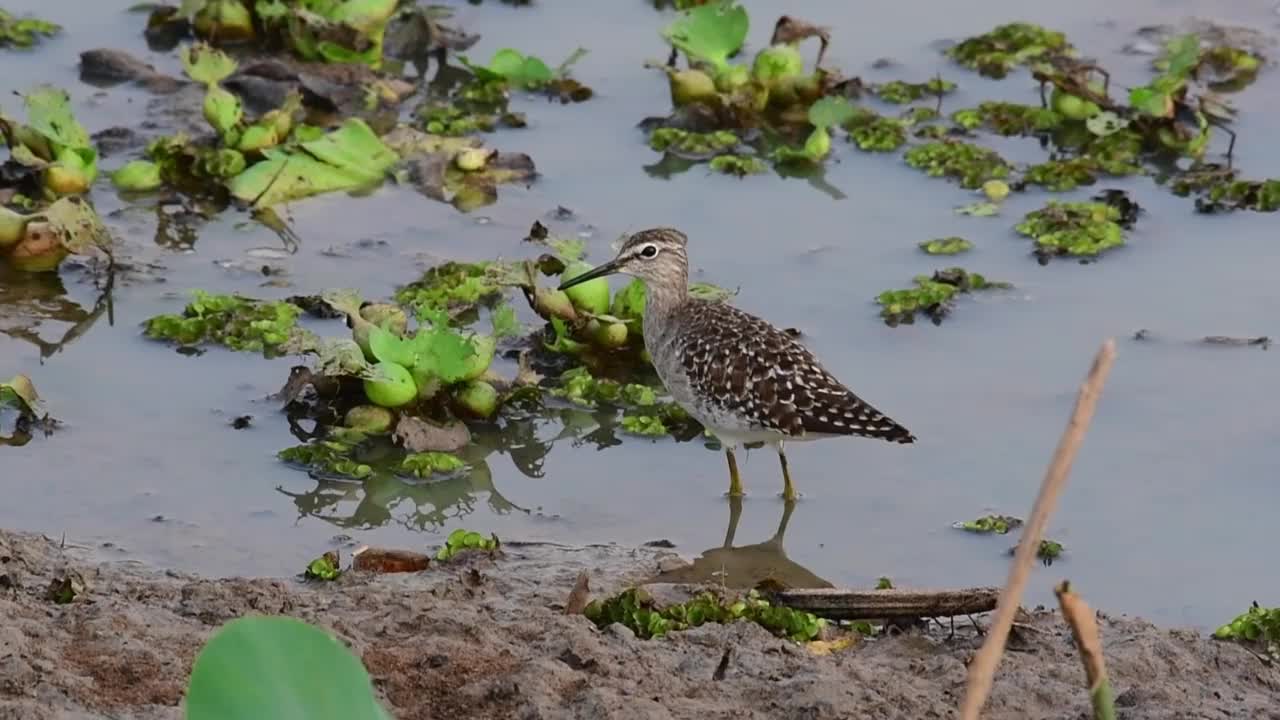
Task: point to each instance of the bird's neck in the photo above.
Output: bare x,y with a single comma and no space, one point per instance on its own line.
663,299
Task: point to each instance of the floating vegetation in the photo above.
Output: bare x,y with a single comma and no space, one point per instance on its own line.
1049,551
461,541
325,567
970,164
1007,119
24,32
874,133
988,524
52,146
900,93
946,246
238,323
528,72
1077,229
995,53
41,240
740,165
426,464
579,387
1257,628
636,609
933,296
694,144
327,458
1217,189
1063,175
455,288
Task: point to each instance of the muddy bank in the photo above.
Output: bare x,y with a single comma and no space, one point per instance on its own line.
488,639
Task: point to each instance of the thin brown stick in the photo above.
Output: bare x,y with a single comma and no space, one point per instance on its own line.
983,667
1084,629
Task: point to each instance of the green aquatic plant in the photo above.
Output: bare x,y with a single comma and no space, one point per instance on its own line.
636,609
528,72
349,158
1257,627
238,323
52,142
1065,174
970,164
40,241
1007,119
1048,551
988,524
709,33
643,425
684,142
578,386
461,541
823,114
1220,191
946,246
995,53
324,568
24,32
281,668
326,458
874,133
899,92
426,464
451,287
1078,229
740,165
933,296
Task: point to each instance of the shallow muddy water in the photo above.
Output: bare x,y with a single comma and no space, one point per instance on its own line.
1165,514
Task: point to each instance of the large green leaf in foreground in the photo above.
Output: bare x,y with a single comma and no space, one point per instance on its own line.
279,668
348,158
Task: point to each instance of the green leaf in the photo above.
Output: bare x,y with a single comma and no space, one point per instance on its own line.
279,668
504,321
830,112
1150,101
979,209
49,113
206,64
348,158
1183,54
20,393
387,347
711,32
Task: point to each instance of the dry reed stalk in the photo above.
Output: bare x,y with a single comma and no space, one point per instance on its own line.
983,667
1084,629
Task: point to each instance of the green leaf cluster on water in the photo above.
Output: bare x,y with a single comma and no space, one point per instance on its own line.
1007,118
426,464
461,541
1257,627
452,287
24,32
946,246
327,458
998,524
995,53
683,142
636,609
236,322
933,296
873,132
578,386
296,672
1218,189
1078,229
970,164
899,92
324,568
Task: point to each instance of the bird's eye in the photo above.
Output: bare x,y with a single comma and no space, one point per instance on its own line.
649,251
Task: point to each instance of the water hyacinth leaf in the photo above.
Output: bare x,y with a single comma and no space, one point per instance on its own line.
349,158
137,176
388,347
525,71
20,393
70,226
23,32
49,113
711,32
426,464
206,64
831,112
282,668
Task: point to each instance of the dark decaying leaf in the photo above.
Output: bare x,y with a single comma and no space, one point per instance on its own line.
438,177
418,435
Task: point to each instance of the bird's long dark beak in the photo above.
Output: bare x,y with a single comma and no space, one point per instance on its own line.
608,268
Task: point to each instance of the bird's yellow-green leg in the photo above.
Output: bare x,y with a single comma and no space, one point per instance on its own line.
735,482
788,490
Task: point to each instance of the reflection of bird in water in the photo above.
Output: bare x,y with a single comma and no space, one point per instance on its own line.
746,566
742,378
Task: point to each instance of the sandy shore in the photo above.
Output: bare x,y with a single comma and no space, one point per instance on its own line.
487,638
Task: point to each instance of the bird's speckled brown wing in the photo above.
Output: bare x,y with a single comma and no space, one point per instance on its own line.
749,368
